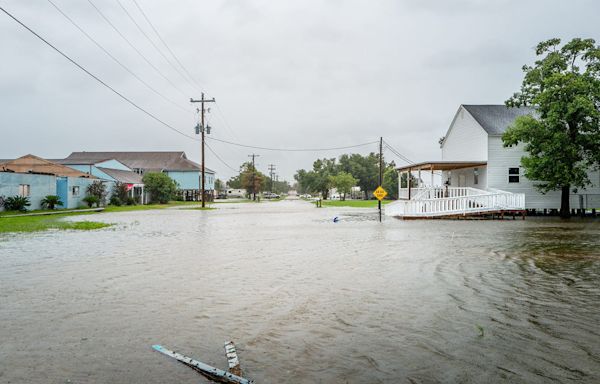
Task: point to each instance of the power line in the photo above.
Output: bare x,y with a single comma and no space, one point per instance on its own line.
165,44
94,76
134,47
291,149
101,47
150,40
220,159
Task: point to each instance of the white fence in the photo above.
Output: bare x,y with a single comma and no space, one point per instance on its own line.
433,202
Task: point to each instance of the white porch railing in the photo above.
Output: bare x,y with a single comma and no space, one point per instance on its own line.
431,202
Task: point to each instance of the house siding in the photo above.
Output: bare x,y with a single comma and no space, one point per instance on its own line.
501,159
191,180
40,186
469,177
465,140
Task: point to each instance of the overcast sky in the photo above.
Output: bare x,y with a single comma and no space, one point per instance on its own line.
286,74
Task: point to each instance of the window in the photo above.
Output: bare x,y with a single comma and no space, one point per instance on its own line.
24,190
75,191
476,176
513,175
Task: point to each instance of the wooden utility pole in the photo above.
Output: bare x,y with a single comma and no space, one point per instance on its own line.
253,175
380,171
202,130
271,173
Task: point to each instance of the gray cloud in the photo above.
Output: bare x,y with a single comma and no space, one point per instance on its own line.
286,74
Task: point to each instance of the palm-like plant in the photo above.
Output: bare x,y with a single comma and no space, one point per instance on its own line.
51,201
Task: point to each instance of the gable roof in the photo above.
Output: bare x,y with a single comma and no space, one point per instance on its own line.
148,161
34,164
127,177
495,119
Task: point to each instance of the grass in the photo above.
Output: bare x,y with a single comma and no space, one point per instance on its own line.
200,209
43,223
353,203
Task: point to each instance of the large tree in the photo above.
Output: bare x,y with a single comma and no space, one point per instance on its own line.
364,168
563,140
343,182
251,179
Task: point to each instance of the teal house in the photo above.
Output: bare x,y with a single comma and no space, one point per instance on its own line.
35,178
175,164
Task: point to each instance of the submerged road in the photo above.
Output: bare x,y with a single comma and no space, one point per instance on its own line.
306,300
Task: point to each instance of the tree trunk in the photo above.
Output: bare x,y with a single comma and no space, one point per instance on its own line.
565,209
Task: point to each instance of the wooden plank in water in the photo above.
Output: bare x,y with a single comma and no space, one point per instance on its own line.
207,370
232,359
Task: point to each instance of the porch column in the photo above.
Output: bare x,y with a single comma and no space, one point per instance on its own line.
431,176
408,181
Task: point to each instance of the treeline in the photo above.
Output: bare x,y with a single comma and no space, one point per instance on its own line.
346,172
254,181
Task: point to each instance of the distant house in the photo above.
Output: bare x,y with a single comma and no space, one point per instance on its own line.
33,177
175,164
113,171
474,161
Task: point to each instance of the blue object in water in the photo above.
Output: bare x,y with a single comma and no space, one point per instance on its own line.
336,219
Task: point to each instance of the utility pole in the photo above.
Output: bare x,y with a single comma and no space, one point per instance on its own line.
201,129
253,174
380,171
271,172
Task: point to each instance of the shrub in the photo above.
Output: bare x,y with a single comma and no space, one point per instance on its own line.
114,200
97,189
130,201
121,191
91,200
51,201
161,187
16,203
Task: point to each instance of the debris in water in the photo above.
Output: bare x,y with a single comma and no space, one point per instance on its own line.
205,369
336,219
232,359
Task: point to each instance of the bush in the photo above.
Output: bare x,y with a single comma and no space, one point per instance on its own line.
121,191
97,189
51,201
16,203
91,200
161,187
114,200
130,201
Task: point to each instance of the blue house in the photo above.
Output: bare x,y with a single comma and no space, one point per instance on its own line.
33,177
111,171
175,164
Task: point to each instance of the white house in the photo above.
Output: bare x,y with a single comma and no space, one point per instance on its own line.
475,162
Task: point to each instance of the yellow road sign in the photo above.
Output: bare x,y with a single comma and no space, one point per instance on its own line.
380,193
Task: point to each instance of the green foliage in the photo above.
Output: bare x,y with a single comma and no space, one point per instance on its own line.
252,180
51,201
98,190
121,191
42,223
364,168
161,187
343,182
563,140
130,201
90,200
219,185
317,180
390,181
114,200
16,203
235,182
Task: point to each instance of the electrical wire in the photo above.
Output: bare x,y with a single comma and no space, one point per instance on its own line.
95,77
150,40
219,158
292,149
165,44
134,47
103,49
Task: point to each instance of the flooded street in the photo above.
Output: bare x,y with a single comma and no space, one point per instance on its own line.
305,299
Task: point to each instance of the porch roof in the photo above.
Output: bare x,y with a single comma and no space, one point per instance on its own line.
441,165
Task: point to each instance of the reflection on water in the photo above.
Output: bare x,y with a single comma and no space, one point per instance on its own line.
305,299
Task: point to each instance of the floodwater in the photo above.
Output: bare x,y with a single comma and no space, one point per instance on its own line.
305,299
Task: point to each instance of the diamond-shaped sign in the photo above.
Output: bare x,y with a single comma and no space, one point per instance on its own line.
380,193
